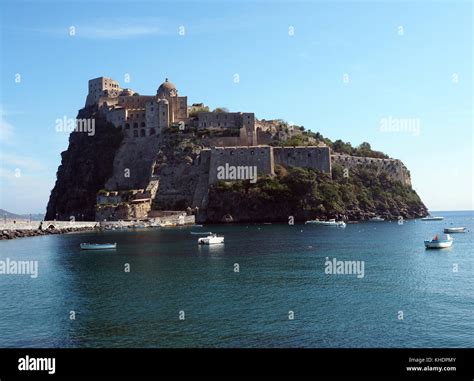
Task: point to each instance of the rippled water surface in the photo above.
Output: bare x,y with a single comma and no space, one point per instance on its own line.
282,269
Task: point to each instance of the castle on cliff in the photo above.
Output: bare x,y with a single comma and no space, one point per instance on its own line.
164,179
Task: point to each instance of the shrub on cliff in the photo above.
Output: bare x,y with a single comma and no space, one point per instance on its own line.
307,193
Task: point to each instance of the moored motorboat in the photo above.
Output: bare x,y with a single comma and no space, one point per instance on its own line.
455,230
316,222
432,218
98,246
331,222
201,233
377,219
211,240
439,243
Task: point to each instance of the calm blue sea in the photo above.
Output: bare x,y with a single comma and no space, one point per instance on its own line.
282,269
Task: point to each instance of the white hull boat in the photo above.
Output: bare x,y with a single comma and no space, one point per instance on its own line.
432,218
201,233
377,219
98,246
331,222
437,243
211,240
315,222
455,230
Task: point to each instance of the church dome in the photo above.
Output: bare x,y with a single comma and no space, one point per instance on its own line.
167,88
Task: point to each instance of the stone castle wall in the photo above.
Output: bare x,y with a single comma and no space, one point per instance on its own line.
393,167
305,157
258,156
266,157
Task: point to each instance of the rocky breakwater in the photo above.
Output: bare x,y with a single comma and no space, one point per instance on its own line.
20,233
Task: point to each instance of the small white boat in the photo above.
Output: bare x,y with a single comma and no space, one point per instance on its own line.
316,222
377,219
331,222
455,230
432,218
211,240
201,233
98,246
439,243
196,226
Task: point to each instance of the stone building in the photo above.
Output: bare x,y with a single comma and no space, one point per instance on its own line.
140,116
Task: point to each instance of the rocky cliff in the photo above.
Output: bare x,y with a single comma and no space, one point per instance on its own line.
85,167
179,165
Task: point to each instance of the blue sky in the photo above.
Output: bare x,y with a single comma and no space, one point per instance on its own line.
339,68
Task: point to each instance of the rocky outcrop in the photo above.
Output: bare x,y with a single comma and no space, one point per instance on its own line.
180,169
85,167
308,194
173,168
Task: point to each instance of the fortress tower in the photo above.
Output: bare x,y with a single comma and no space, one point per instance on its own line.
100,86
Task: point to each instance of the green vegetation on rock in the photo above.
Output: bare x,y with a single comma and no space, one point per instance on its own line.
306,194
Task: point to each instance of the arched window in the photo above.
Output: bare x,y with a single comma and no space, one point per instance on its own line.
127,126
152,131
142,132
135,134
135,125
143,124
